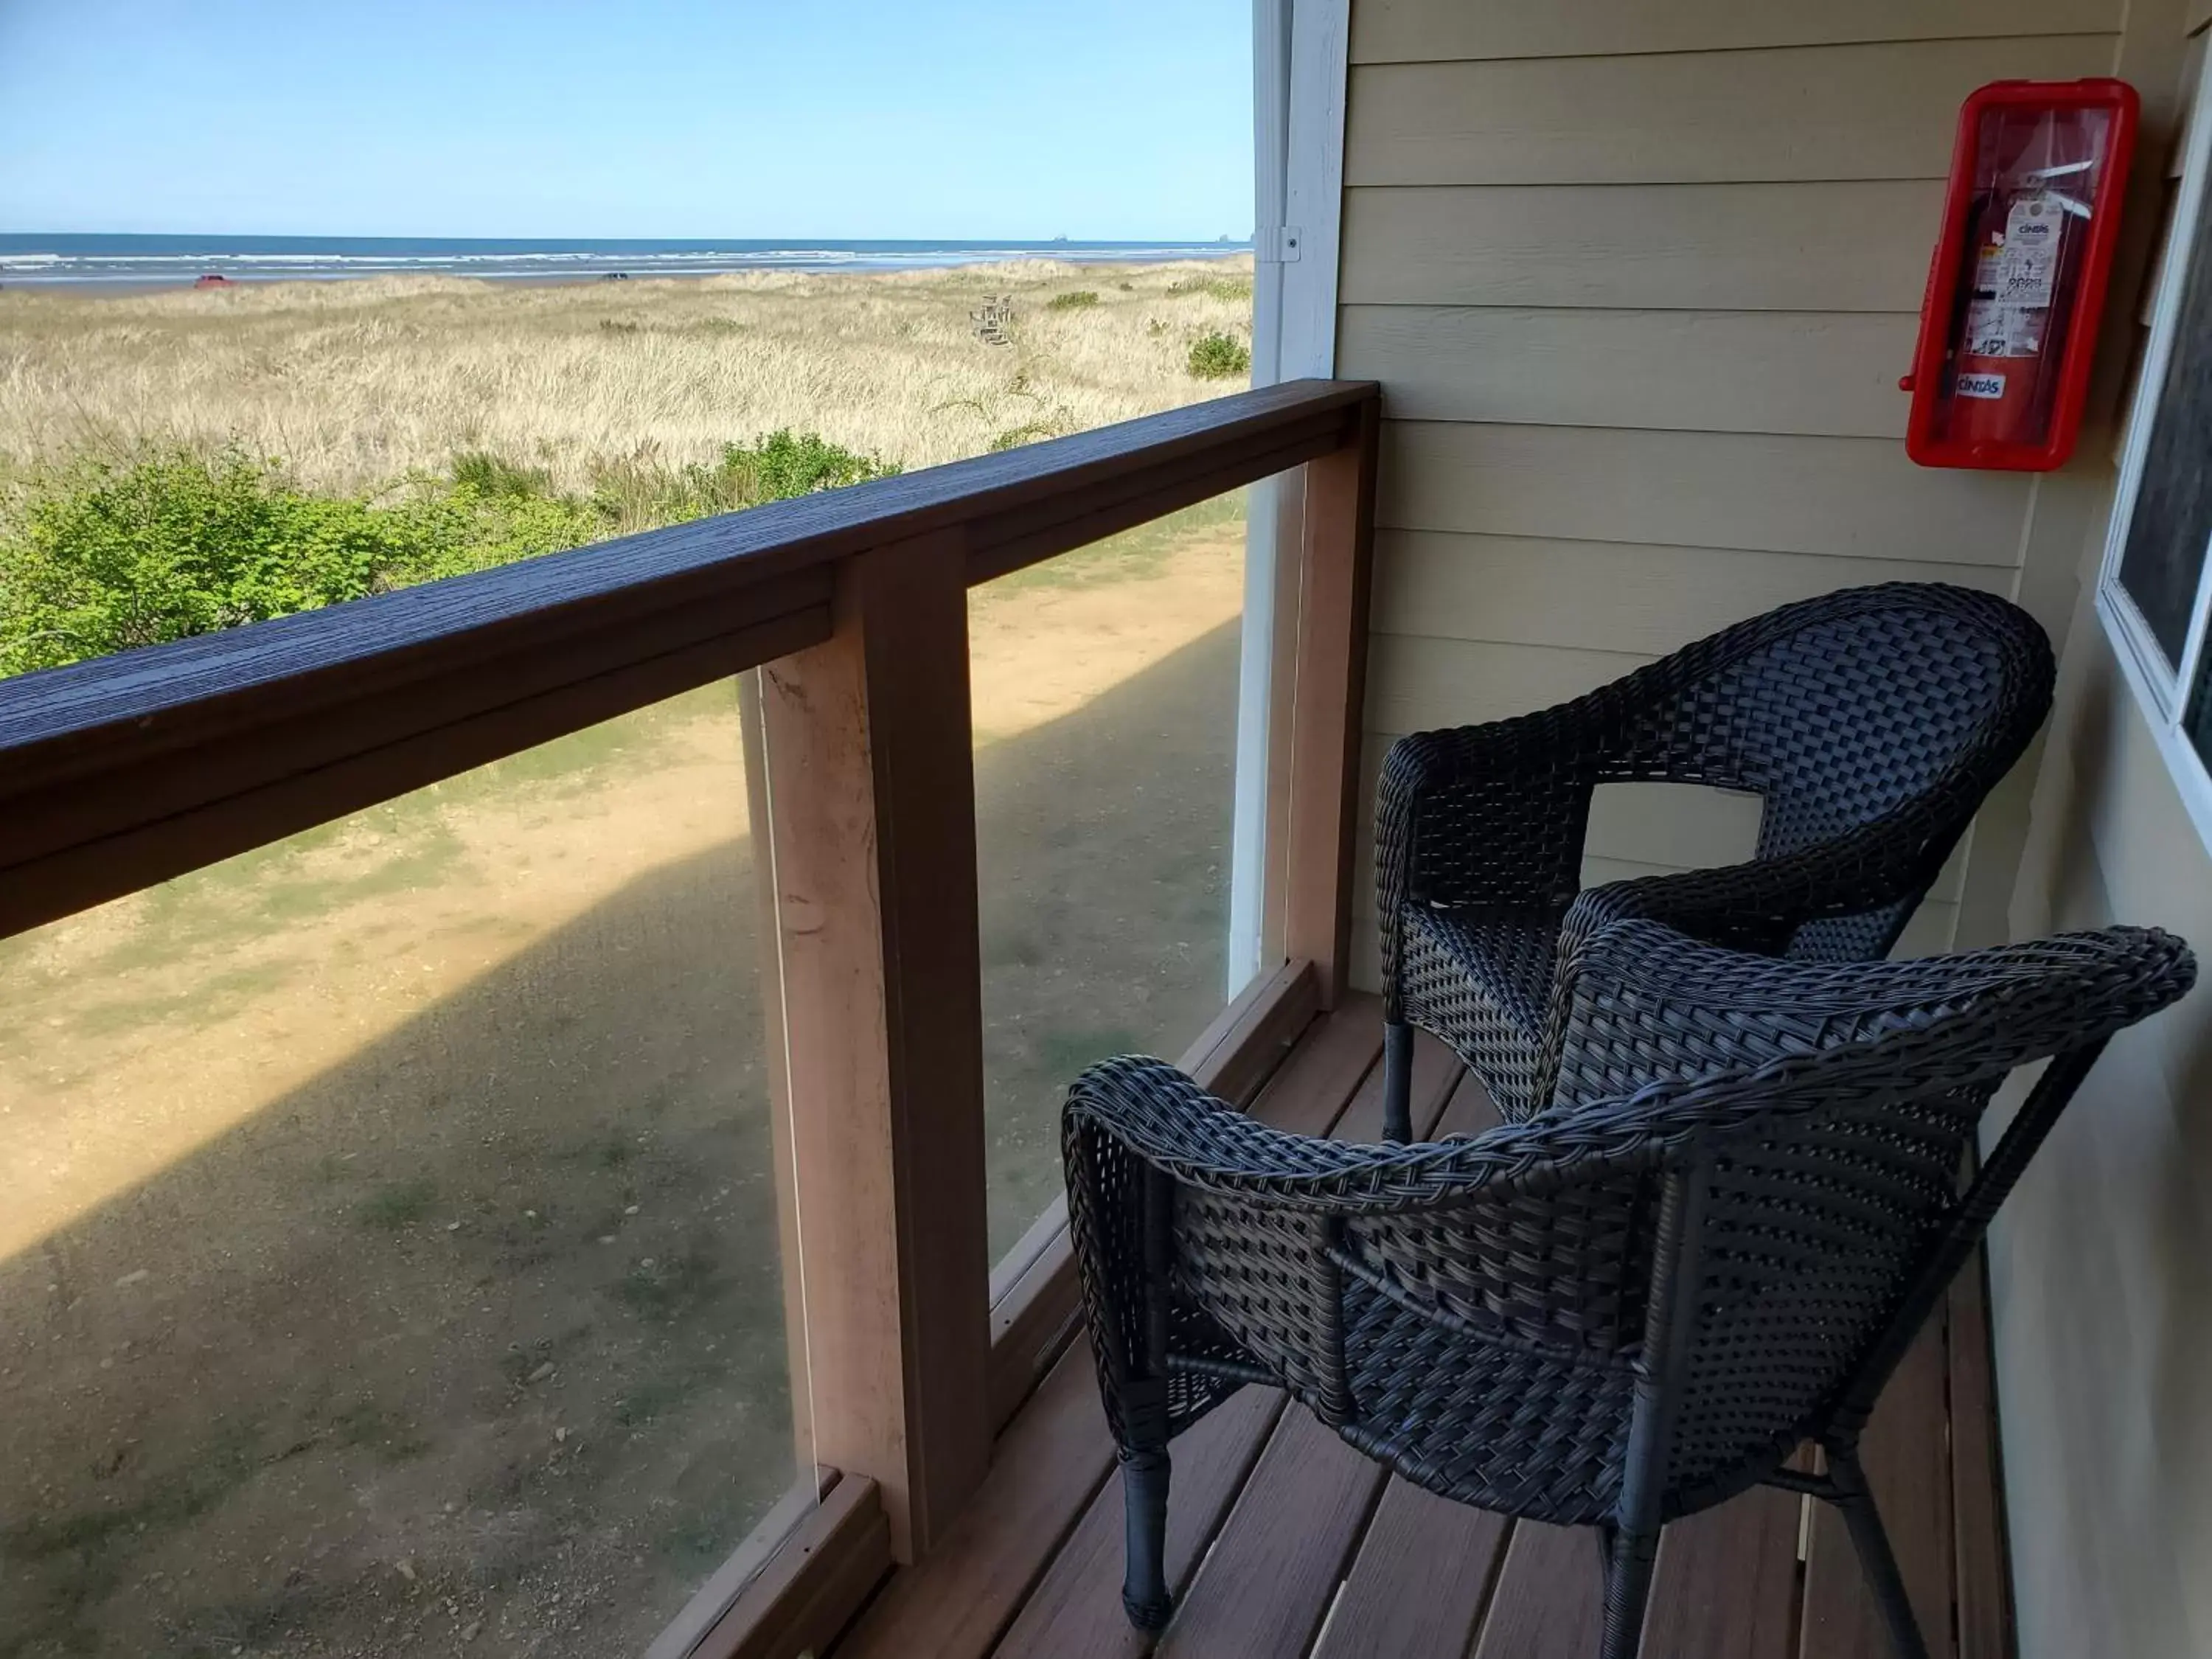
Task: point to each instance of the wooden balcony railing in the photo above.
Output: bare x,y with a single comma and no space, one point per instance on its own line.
118,774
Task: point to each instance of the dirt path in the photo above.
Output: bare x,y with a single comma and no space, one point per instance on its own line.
388,1260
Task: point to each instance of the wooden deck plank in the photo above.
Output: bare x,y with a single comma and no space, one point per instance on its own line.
1726,1587
1076,1609
1908,1464
1550,1600
1418,1587
1419,1580
1263,1592
1318,1552
1983,1583
1055,1455
1301,1516
1048,1464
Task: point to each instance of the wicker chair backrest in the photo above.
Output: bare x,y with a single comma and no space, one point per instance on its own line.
1911,698
1825,1110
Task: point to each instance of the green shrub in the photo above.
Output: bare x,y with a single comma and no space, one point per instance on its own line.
496,478
1082,299
1217,356
102,558
1015,436
1214,287
99,558
785,464
641,492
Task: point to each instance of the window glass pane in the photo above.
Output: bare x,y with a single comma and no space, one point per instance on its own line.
2197,721
2164,554
1105,699
390,1259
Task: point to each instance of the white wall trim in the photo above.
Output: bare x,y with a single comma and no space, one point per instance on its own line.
2162,687
1320,58
1301,59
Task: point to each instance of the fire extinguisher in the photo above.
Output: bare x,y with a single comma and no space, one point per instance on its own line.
2000,371
2028,242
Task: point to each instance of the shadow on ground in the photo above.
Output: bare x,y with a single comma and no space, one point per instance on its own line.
475,1342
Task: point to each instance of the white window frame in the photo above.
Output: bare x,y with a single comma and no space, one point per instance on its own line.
2161,689
1300,63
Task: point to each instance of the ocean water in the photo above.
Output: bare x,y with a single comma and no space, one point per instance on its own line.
28,260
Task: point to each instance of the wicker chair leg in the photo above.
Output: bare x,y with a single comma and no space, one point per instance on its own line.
1397,1081
1871,1539
1628,1589
1144,1595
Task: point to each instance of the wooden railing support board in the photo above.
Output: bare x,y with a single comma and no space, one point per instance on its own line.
1337,544
871,808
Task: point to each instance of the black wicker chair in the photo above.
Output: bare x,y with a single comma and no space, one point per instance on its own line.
1872,721
1715,1245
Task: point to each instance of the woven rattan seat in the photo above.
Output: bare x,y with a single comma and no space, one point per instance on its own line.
1715,1246
1871,722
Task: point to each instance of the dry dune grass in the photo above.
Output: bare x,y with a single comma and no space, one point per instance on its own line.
354,383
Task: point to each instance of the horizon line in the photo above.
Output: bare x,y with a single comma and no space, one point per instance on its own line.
394,236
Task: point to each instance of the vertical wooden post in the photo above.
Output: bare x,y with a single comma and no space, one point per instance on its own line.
1336,555
871,812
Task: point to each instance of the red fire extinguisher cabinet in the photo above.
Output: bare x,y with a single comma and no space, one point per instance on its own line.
2008,325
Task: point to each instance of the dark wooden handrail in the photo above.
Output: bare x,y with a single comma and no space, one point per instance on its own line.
118,773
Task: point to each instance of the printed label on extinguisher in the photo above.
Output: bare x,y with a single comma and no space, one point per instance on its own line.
1981,385
1997,330
2028,266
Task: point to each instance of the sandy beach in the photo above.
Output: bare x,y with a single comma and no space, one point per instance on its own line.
353,384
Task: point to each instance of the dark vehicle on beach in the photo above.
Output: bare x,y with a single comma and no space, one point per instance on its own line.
212,279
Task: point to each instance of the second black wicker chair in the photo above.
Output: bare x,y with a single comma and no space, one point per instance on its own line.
1717,1244
1872,722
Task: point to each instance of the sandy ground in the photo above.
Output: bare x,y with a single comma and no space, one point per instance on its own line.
388,1260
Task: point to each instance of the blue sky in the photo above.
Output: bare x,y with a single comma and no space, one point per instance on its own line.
627,117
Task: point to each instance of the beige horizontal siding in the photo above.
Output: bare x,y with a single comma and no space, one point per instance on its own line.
1420,31
1824,374
1610,596
1415,684
2177,151
1638,298
1838,246
1885,111
1683,825
1930,932
1853,497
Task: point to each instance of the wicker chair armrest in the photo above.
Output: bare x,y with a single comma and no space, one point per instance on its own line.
1684,1036
1757,906
1702,1041
1485,814
1158,1116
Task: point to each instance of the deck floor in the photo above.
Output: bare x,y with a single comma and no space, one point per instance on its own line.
1285,1542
